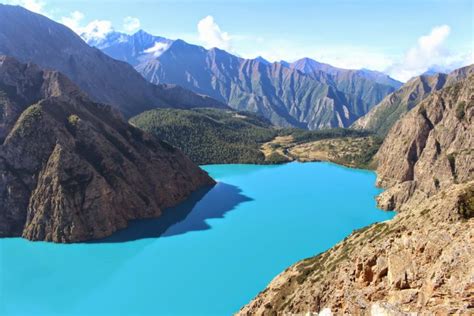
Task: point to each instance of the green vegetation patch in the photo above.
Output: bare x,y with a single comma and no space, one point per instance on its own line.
73,119
210,136
28,119
276,158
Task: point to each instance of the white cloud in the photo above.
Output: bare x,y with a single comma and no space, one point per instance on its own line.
210,34
96,30
32,5
73,21
157,49
429,53
336,55
131,24
359,57
93,31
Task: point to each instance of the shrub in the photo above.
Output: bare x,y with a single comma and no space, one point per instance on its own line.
29,117
460,110
276,158
73,119
452,162
466,205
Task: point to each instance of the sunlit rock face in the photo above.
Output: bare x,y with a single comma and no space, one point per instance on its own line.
420,261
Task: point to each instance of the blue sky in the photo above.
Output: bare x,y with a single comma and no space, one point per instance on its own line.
400,37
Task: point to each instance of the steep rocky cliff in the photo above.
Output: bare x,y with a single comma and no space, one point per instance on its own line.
423,259
434,146
73,170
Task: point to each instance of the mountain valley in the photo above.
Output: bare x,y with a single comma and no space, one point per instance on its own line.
151,171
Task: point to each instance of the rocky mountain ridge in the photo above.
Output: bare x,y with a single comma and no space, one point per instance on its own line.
435,146
285,97
133,49
281,92
366,85
72,169
381,118
30,37
422,260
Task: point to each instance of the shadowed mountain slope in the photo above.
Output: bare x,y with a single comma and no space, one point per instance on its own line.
30,37
72,169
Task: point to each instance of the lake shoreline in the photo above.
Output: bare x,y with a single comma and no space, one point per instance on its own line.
254,223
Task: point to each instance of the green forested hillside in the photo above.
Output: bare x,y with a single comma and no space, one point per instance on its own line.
211,136
208,135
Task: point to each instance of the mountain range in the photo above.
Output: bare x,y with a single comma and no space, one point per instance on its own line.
304,94
175,74
30,37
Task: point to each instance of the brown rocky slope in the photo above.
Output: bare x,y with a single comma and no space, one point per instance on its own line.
73,170
422,261
434,144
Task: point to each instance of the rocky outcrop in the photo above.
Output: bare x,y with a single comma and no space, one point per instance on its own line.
422,260
73,170
434,144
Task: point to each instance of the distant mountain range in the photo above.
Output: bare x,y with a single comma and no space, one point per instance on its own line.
303,94
30,37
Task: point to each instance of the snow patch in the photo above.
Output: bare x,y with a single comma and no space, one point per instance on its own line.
157,49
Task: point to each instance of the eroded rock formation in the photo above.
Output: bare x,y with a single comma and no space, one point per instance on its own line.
433,146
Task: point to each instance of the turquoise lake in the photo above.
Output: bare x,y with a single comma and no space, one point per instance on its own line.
215,252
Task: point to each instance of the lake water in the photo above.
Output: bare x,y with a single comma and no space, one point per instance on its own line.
215,253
